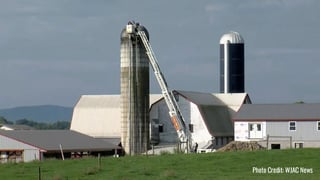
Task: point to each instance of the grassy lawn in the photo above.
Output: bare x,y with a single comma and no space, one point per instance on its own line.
222,165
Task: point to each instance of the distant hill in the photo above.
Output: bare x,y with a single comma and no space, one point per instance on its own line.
42,113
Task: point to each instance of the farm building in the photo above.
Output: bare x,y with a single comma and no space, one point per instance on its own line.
29,145
279,125
99,115
208,117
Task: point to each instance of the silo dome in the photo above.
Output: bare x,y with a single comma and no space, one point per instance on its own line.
233,38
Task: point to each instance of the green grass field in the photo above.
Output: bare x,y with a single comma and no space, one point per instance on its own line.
220,165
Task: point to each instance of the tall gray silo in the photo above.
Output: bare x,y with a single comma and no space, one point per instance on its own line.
134,97
232,63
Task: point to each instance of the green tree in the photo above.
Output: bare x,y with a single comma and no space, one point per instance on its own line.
4,121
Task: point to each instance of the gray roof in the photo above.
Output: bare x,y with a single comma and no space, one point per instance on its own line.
279,112
200,98
215,113
50,140
217,120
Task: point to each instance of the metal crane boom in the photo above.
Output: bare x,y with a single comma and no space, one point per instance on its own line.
174,111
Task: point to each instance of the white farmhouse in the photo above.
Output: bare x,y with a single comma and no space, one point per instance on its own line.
279,126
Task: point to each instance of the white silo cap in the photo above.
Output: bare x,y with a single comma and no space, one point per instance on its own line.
233,38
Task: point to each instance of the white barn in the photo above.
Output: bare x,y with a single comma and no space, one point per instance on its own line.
207,116
99,115
279,125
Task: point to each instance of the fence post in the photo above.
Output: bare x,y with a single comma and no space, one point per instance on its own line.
267,141
39,173
99,161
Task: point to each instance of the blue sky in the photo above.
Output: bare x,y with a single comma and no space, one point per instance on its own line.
54,51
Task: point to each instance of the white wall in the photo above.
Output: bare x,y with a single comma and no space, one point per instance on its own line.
97,121
191,115
200,132
241,131
160,113
306,132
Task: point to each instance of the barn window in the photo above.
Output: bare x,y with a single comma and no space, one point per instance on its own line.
292,126
318,125
160,127
191,128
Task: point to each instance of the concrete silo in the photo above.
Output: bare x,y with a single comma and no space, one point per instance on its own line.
134,93
232,63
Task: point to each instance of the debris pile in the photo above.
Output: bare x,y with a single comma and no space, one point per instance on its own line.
241,146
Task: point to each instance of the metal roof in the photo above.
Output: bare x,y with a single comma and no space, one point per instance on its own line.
232,37
107,101
215,112
99,101
217,119
50,140
200,98
278,112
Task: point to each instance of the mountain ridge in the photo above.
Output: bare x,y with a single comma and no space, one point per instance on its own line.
38,113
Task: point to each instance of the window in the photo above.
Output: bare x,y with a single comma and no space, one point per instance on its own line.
191,128
255,130
275,146
318,125
160,127
292,126
256,127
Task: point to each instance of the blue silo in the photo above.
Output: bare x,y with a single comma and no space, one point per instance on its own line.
232,63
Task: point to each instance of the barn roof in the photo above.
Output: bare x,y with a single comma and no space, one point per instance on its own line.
217,109
279,112
50,140
200,98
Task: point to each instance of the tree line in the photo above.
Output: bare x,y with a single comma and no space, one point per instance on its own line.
37,125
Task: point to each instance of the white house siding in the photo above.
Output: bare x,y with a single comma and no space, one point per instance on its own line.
30,153
306,132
